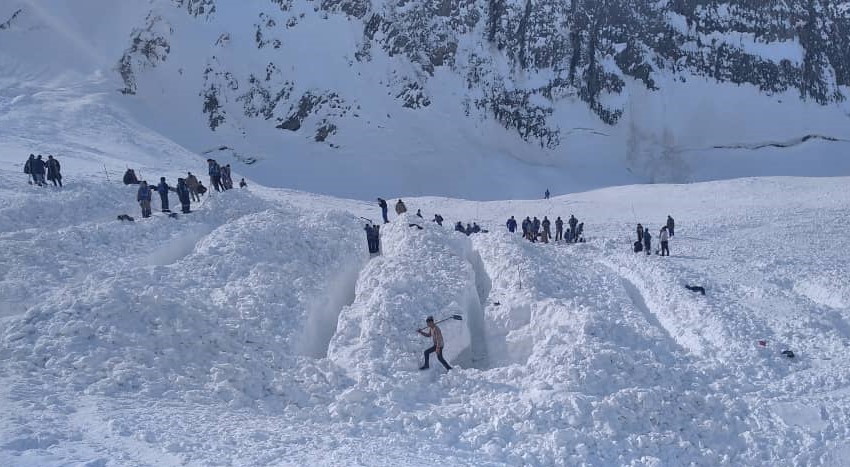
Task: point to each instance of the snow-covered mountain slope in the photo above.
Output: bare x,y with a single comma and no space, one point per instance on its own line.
256,331
481,100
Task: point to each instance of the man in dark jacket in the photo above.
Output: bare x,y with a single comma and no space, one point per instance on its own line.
670,225
640,233
183,194
28,169
226,181
438,219
559,229
215,174
163,190
400,208
546,228
459,228
383,204
54,171
526,228
511,225
143,196
38,168
647,241
573,223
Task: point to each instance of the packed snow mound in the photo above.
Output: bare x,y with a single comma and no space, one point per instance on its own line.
221,302
423,271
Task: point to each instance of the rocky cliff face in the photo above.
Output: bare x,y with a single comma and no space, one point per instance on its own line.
518,59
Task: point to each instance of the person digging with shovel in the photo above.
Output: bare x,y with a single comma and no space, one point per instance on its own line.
437,336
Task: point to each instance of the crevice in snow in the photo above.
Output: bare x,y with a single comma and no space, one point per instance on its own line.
323,316
476,355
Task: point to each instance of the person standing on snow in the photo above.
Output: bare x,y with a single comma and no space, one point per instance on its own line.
437,337
192,185
664,237
53,171
526,228
226,180
383,204
183,194
215,174
546,194
400,208
511,224
559,229
38,168
547,231
163,190
573,223
647,241
640,233
28,169
670,224
143,196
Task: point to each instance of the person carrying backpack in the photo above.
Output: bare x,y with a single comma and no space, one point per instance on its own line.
143,196
54,171
183,194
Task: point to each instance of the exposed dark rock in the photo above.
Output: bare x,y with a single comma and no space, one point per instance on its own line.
8,23
149,47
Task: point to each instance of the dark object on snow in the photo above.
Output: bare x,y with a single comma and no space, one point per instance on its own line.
438,219
696,288
125,217
201,188
242,183
788,353
671,224
172,215
638,247
130,177
415,225
496,303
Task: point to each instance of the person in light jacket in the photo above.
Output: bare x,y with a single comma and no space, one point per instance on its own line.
664,237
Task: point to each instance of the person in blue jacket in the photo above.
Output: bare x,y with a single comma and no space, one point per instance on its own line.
143,196
163,190
215,174
511,225
184,195
647,241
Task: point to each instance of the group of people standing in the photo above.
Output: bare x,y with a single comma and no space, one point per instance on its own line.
36,167
644,238
535,230
189,189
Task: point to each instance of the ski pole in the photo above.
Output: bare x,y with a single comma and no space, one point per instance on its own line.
457,317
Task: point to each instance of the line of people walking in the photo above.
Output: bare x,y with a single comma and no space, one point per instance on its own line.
37,167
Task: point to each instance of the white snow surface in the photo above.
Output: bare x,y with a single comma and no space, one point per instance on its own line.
258,331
